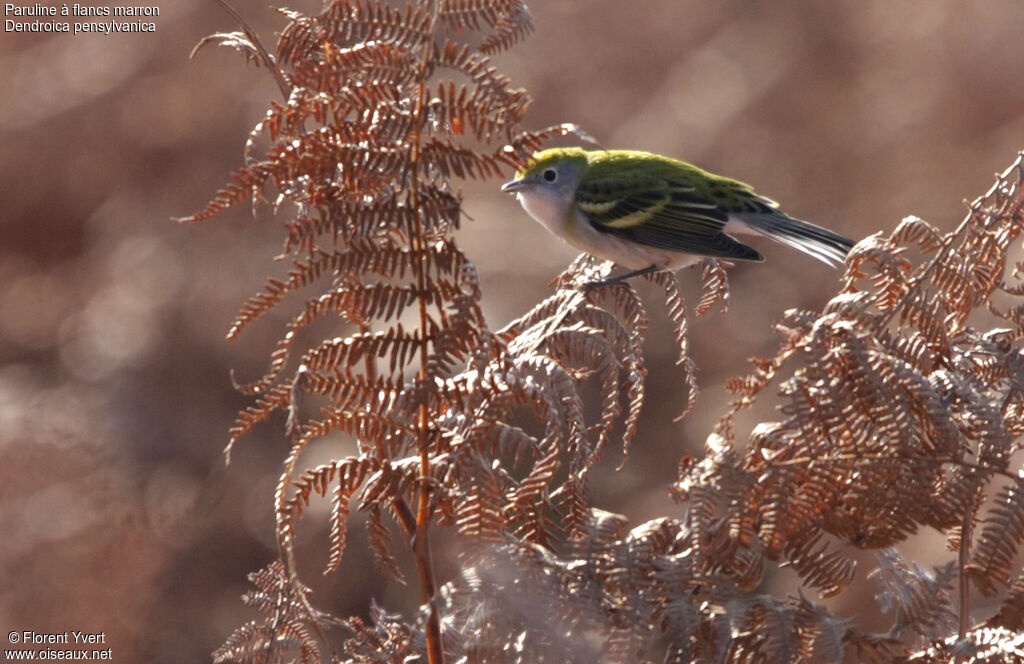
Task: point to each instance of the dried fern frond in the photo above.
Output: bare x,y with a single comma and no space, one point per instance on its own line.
286,628
920,600
901,405
898,414
979,646
364,153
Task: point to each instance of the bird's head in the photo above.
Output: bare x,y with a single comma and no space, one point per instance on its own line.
551,174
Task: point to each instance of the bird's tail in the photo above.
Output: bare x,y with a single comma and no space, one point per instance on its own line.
828,247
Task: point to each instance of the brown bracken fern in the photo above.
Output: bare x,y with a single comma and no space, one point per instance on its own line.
387,107
901,402
902,409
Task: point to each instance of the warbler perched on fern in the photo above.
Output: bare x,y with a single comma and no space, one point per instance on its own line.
648,213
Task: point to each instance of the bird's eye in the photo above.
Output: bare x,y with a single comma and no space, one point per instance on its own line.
550,175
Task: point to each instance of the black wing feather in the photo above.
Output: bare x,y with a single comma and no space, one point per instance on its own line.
689,223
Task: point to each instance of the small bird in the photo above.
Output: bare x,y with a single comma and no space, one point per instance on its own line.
648,213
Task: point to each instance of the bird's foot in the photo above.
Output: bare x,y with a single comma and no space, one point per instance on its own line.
621,277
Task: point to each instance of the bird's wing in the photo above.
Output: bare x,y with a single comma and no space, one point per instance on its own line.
660,213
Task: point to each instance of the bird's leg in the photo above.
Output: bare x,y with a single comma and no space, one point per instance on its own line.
622,277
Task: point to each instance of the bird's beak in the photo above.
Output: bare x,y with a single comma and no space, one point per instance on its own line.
514,186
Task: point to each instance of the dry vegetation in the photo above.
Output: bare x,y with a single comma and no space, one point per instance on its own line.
119,516
899,410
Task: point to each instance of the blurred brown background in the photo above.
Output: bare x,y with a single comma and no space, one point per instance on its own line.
116,512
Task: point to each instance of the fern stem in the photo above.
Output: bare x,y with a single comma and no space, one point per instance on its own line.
963,559
405,516
421,536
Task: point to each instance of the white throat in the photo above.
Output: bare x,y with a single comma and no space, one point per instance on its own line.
548,208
